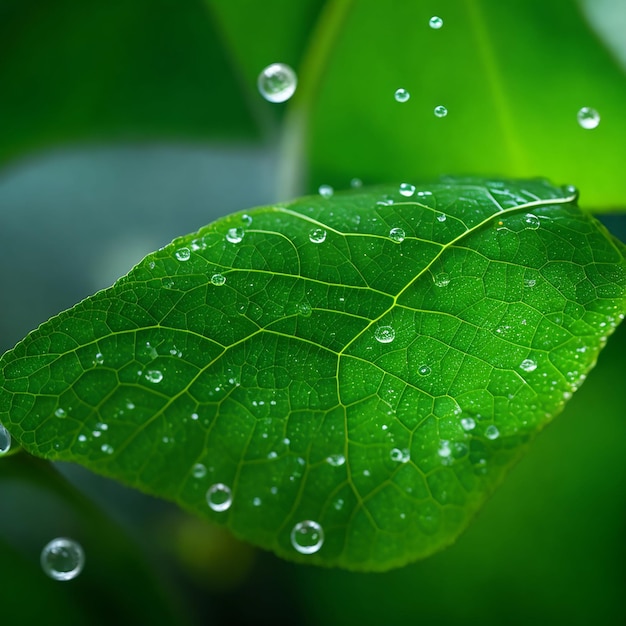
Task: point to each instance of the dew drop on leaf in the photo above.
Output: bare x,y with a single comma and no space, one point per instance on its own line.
198,470
400,456
468,423
528,365
407,190
277,82
234,235
441,111
62,559
154,376
326,191
385,334
183,254
588,118
307,537
99,358
424,370
492,432
5,440
442,280
435,22
356,183
219,497
397,235
218,280
317,235
441,217
401,95
106,448
531,221
61,413
336,460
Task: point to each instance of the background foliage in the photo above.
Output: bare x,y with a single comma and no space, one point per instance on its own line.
127,123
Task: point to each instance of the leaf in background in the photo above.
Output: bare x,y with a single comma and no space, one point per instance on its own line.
372,362
512,77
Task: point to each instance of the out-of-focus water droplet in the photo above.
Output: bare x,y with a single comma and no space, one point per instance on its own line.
588,118
219,497
183,254
444,449
528,365
198,470
424,370
307,537
531,221
336,460
277,82
401,95
99,358
397,235
60,413
218,279
441,217
154,376
435,22
468,423
442,279
440,111
317,235
62,559
400,456
338,504
107,448
529,282
407,190
5,440
492,432
235,235
246,219
385,334
326,191
356,183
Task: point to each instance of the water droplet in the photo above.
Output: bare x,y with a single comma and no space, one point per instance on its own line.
198,470
62,559
338,504
385,334
256,501
588,118
440,111
277,82
246,219
435,22
106,448
194,417
397,235
441,217
356,183
401,95
99,358
400,456
218,279
442,280
468,423
234,235
529,282
531,221
219,497
492,432
154,376
407,190
304,309
60,413
183,254
528,365
336,460
424,370
317,235
326,191
444,450
5,440
307,537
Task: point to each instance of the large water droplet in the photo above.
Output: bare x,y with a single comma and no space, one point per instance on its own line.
218,279
401,95
307,537
154,376
385,334
531,221
407,190
442,279
397,235
5,440
317,235
183,254
277,82
435,22
62,559
528,365
440,111
235,235
492,432
219,497
588,118
326,191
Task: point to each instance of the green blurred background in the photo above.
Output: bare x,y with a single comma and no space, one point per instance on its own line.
128,122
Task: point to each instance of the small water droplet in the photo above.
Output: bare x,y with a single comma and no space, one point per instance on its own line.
528,365
588,118
441,217
492,432
106,448
218,279
183,254
468,423
99,358
256,501
235,235
5,440
194,417
317,235
400,456
277,82
338,504
60,413
435,22
198,470
401,95
304,309
407,190
336,460
397,235
326,191
82,438
529,282
246,219
385,334
531,221
154,376
307,537
440,111
442,280
356,183
62,559
424,370
219,497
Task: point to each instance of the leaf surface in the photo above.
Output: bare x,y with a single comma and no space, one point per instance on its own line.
372,362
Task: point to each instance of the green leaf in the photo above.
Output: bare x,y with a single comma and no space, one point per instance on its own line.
373,362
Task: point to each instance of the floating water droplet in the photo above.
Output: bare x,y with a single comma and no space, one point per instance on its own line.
588,118
62,559
442,280
531,221
183,254
397,235
492,432
440,111
401,95
468,423
106,448
99,358
277,82
326,191
235,235
424,370
218,279
336,460
441,217
5,440
219,497
154,376
198,470
435,22
400,456
317,235
356,183
307,537
407,190
385,334
528,365
60,413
